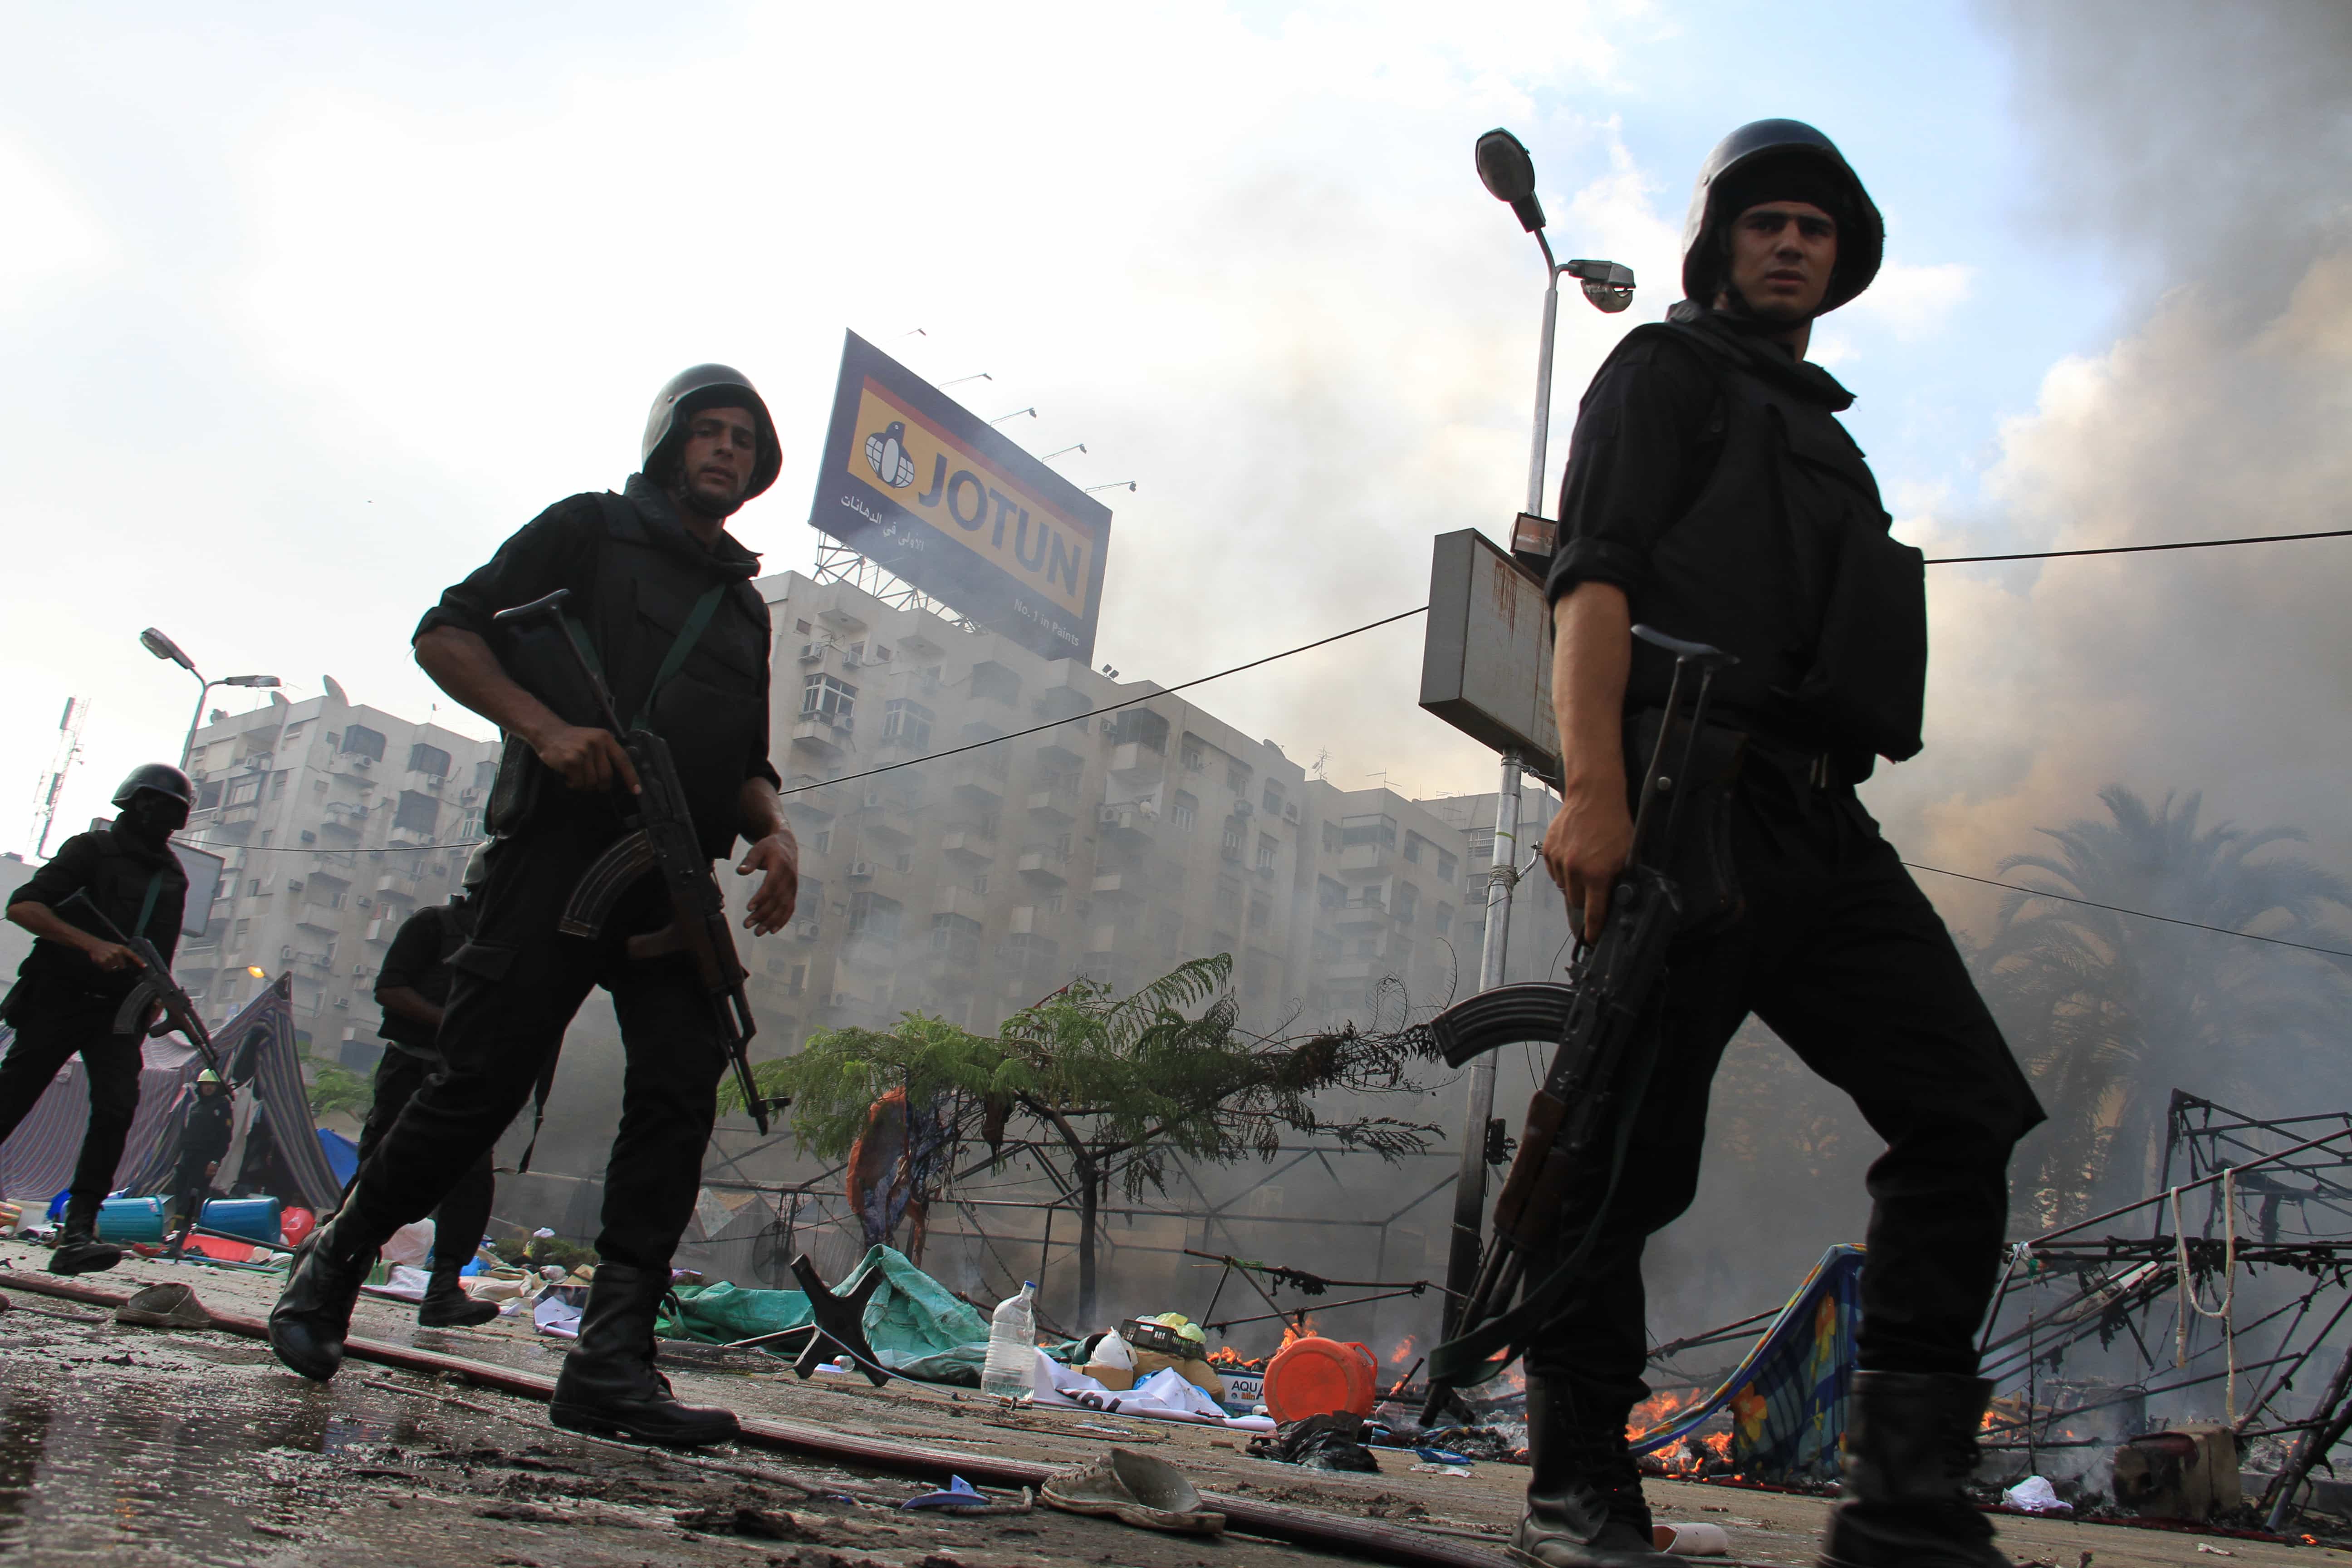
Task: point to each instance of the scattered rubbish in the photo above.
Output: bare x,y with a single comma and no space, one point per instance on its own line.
1134,1488
2218,1551
1012,1345
958,1493
1691,1540
1427,1469
2034,1494
742,1518
164,1306
1442,1456
1327,1442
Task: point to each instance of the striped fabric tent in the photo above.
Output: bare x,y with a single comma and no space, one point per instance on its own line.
258,1049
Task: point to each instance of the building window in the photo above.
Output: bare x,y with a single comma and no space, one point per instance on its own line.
910,722
1442,919
1233,838
874,917
1482,846
418,813
1143,726
1330,838
1260,912
1412,843
278,786
1229,900
1273,798
1196,755
957,936
208,795
241,931
1051,904
995,683
1183,812
430,761
824,841
823,697
1368,829
1328,894
361,740
1266,848
244,791
1446,862
1237,778
1408,901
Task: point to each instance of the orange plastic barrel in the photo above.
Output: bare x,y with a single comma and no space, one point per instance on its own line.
1315,1376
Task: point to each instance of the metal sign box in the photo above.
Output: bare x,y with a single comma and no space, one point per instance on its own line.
1485,660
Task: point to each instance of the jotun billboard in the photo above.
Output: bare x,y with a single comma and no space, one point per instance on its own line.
920,487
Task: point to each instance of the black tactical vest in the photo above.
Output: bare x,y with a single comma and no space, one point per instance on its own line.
712,711
1784,560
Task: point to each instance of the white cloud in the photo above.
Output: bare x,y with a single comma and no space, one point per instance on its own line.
52,233
1914,301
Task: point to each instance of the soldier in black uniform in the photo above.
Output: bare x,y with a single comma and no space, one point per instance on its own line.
1711,493
661,593
203,1142
414,989
70,985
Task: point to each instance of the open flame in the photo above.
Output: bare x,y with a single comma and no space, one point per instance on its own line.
1294,1333
1658,1410
1403,1354
1225,1356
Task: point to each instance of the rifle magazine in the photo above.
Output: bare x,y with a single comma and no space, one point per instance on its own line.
593,897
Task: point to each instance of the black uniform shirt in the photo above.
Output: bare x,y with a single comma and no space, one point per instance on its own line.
115,870
630,587
419,958
207,1137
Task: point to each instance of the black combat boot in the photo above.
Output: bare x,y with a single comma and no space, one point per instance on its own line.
609,1387
446,1305
313,1315
78,1249
1910,1449
1584,1494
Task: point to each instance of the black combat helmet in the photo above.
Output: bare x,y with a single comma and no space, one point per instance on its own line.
1798,163
708,386
162,778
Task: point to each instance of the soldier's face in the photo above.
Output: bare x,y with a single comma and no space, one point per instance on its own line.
1782,254
722,448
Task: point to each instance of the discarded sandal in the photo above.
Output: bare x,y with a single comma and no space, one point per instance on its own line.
1134,1488
164,1306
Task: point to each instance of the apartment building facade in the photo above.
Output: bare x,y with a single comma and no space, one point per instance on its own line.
329,814
1114,845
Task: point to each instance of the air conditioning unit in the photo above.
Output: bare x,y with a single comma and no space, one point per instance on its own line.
293,884
860,870
805,930
364,901
837,999
342,1004
1290,812
851,660
309,836
362,762
874,800
1243,808
1109,726
358,969
811,652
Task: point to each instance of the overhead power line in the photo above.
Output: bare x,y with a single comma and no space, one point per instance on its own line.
1375,626
2139,549
2141,914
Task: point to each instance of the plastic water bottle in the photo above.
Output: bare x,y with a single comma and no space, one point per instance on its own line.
1011,1370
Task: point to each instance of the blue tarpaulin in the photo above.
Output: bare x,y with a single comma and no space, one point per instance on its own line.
342,1154
1787,1398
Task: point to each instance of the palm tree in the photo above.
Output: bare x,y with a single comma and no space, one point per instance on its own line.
2110,1011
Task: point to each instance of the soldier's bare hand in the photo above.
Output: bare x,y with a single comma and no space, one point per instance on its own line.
588,759
113,957
774,900
1586,847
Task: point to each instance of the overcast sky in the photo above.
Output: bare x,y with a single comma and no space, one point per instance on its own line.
303,312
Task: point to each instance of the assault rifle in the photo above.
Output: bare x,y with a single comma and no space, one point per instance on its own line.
661,840
155,986
1581,1115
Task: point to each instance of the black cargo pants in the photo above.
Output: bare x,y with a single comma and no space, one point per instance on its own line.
517,985
1843,957
50,1030
465,1213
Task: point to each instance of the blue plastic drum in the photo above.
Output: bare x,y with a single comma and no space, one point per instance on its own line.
255,1219
131,1219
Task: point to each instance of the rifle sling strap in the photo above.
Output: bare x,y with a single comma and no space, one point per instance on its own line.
697,621
147,904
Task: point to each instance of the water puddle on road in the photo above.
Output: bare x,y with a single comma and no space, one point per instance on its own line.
188,1471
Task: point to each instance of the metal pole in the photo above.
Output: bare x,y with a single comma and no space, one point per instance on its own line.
1470,1186
204,690
1543,381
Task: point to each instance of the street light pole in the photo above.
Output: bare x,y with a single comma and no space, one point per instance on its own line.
1510,176
164,648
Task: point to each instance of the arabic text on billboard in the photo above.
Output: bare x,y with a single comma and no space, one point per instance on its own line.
915,483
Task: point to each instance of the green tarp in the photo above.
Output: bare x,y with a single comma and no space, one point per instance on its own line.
916,1327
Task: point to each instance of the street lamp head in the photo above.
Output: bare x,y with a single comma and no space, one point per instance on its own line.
1608,284
164,648
1510,176
249,681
